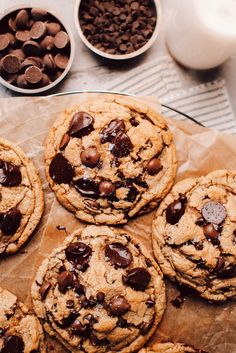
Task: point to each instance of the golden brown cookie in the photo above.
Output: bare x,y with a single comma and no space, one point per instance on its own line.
110,158
99,292
21,197
194,234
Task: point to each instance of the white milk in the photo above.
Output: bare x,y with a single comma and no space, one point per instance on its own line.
201,34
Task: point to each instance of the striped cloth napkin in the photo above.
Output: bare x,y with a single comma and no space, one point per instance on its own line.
207,103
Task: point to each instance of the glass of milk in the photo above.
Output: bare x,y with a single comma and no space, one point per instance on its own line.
201,34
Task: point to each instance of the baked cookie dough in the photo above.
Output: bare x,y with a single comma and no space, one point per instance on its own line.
20,331
99,292
110,158
169,348
194,234
21,197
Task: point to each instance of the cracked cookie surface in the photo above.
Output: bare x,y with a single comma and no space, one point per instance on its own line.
20,331
99,292
169,348
21,198
110,158
194,234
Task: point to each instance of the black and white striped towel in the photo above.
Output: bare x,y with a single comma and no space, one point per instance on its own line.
208,103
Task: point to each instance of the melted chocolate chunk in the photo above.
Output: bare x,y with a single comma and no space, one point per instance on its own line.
146,327
60,170
10,174
65,281
79,254
227,273
81,125
64,141
81,330
44,289
122,145
138,279
10,221
68,321
176,210
13,344
214,212
87,188
119,305
122,322
118,254
109,133
78,287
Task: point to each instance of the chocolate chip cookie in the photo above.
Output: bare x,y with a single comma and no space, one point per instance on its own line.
169,348
99,292
20,331
21,197
194,234
110,158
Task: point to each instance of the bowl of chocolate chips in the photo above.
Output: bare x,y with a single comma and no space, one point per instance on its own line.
36,50
118,29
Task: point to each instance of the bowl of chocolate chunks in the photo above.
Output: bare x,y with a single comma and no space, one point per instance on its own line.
118,29
36,50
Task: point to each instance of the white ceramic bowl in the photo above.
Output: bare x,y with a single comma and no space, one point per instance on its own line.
29,91
120,56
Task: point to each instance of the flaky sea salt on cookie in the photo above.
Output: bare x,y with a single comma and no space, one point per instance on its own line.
169,348
99,292
21,197
194,234
110,158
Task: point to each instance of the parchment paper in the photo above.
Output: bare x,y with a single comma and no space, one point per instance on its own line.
26,121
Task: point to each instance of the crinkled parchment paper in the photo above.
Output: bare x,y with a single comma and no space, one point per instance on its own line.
26,121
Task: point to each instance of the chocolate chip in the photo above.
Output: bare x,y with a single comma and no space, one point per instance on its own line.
19,53
10,221
200,222
12,24
150,303
22,19
10,63
79,329
100,297
228,272
87,188
214,212
85,303
70,304
10,174
61,61
138,279
79,254
81,125
4,41
31,61
68,321
39,14
98,342
23,35
175,211
90,157
13,344
33,74
64,142
53,28
122,322
106,188
146,327
21,81
220,264
44,81
122,145
65,281
44,289
210,231
108,134
119,305
31,48
61,40
47,44
38,30
118,254
154,166
48,61
60,170
134,122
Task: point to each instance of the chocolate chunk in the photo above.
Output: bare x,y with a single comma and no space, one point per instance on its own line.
70,304
100,297
60,170
31,48
61,40
176,210
220,264
68,321
13,344
38,30
10,63
23,35
47,44
22,19
132,193
78,287
150,303
106,188
154,166
118,254
61,61
134,122
200,222
138,279
79,254
10,221
53,28
122,145
4,41
90,157
119,305
228,272
109,133
81,330
64,142
65,281
81,125
87,188
33,74
39,14
44,289
146,327
10,174
214,212
122,322
210,232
